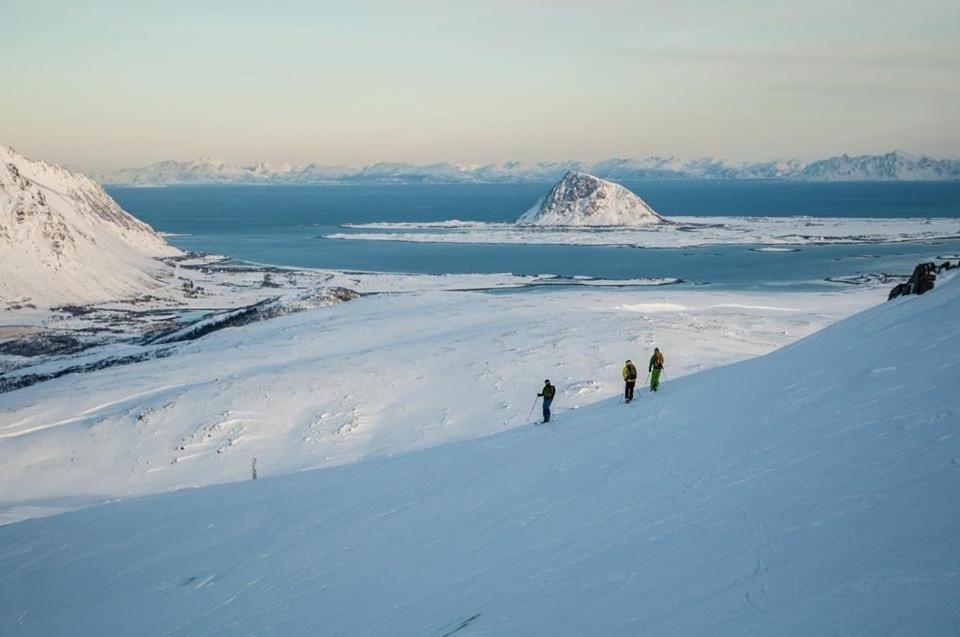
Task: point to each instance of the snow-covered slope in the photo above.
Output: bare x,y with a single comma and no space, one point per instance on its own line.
370,377
809,491
896,165
584,200
64,240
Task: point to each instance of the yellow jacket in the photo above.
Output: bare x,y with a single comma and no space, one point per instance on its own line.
629,372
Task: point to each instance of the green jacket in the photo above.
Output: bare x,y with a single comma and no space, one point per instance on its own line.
549,391
656,361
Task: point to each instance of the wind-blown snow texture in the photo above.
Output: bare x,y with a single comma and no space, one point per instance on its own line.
809,491
64,240
893,166
584,200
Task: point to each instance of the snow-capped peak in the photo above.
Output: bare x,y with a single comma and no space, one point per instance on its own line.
64,240
266,168
580,199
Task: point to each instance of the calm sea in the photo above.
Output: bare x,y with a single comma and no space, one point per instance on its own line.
282,225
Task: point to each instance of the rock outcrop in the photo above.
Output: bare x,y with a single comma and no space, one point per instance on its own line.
922,280
580,199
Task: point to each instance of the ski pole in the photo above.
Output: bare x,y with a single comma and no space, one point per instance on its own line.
532,407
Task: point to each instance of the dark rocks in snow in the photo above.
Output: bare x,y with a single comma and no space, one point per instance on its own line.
923,277
922,280
75,310
268,281
10,383
191,290
43,344
20,305
261,311
899,290
863,279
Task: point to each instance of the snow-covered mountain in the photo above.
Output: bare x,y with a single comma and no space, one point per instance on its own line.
206,170
580,199
892,166
517,171
812,491
64,240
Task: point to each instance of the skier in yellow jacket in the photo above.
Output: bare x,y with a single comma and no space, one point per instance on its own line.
630,378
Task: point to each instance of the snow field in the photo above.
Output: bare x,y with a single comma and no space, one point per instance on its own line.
809,491
376,376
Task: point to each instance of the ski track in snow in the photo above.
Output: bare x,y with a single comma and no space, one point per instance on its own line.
13,429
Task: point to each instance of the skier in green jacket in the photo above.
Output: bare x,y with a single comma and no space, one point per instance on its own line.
655,367
547,393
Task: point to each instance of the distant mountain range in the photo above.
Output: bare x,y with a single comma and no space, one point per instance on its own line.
893,166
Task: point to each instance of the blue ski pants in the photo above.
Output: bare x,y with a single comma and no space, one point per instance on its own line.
546,409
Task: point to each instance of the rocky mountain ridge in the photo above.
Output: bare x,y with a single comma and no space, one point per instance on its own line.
64,240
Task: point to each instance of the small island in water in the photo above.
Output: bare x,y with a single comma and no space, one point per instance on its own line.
579,199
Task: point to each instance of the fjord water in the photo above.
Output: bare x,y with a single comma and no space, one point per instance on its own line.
283,225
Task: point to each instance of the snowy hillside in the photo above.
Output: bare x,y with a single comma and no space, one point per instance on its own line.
64,240
896,165
584,200
809,491
356,380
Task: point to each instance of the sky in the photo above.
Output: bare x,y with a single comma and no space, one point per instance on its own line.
100,85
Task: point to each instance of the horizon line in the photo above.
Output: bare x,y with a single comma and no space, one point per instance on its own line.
466,166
